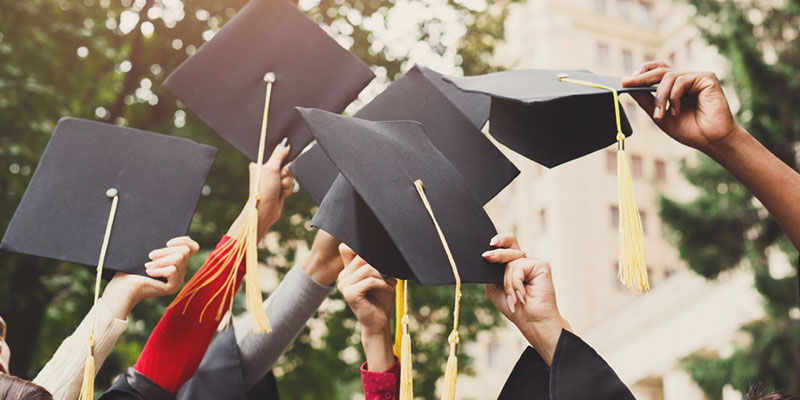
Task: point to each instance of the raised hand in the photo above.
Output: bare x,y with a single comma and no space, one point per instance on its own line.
125,291
527,296
371,297
688,106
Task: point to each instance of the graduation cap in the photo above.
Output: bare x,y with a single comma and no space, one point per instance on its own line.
412,203
555,116
64,212
110,191
452,120
272,41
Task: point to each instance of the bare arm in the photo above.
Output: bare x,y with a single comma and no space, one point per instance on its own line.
692,109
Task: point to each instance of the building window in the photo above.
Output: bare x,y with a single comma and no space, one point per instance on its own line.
624,9
611,161
644,14
627,60
643,217
636,166
599,6
615,217
543,220
602,54
661,171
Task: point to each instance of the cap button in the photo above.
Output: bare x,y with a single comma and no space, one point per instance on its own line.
269,77
111,193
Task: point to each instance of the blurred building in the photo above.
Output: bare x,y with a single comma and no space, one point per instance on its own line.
569,216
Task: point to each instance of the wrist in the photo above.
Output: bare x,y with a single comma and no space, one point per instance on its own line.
377,344
119,299
543,335
323,267
722,149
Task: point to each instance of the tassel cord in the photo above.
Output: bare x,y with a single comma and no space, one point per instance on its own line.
87,387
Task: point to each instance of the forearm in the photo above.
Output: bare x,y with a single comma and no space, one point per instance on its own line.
773,182
377,349
543,336
289,307
63,374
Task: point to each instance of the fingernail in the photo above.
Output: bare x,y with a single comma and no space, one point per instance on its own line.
521,297
674,111
284,141
486,254
149,264
657,114
510,301
494,241
284,174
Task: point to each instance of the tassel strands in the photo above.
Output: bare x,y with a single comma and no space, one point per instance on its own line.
87,387
451,369
242,247
632,257
406,370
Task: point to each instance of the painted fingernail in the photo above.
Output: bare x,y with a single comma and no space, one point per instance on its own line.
284,141
521,297
510,300
486,254
149,264
494,241
674,111
657,114
284,174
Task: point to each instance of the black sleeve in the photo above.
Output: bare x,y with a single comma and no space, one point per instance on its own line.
134,386
577,373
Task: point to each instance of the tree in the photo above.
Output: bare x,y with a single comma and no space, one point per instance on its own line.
105,60
725,227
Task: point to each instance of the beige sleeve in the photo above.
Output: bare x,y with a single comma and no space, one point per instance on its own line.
63,374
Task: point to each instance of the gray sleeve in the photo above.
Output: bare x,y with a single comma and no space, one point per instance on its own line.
292,303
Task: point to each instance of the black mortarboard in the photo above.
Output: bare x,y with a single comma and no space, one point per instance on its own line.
545,119
382,160
64,212
452,120
555,116
224,82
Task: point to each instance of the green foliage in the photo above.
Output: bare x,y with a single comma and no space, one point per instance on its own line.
724,227
104,60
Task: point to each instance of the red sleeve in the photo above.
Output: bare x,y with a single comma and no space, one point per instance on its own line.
177,345
381,385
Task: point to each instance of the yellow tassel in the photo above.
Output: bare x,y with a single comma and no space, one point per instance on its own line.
398,317
252,290
243,246
632,258
406,370
632,263
87,388
451,370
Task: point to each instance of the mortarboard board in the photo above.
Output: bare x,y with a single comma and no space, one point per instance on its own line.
554,116
64,212
400,184
549,121
224,81
452,120
380,160
108,190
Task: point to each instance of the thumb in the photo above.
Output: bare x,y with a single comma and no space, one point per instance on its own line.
279,155
347,253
